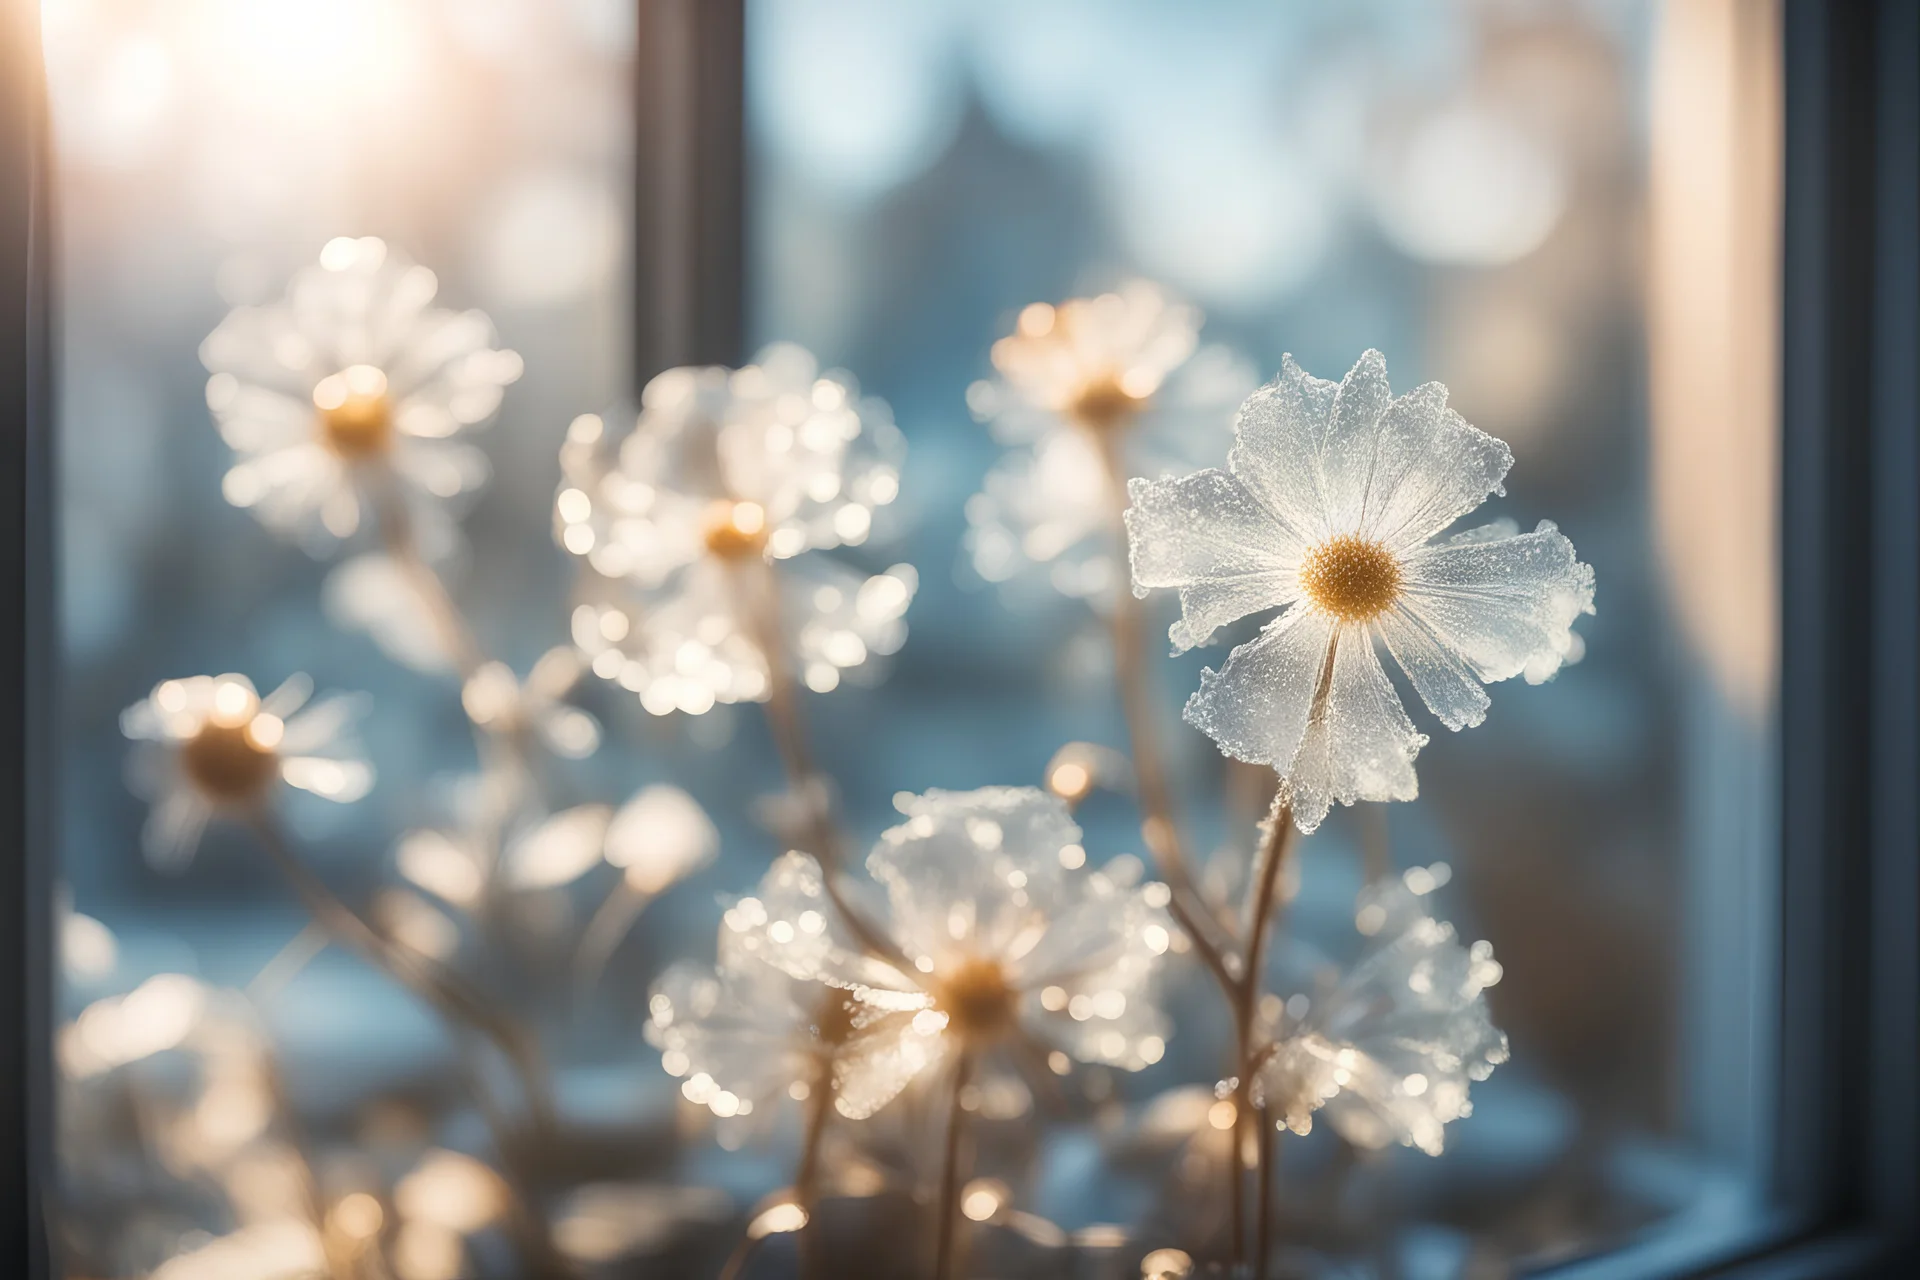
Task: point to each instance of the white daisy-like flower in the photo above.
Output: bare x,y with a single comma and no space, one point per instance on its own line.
693,532
1003,937
1330,504
1121,372
1390,1052
350,392
217,746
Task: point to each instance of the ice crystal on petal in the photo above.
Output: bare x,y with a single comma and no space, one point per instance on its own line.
212,744
353,383
997,937
1390,1052
1120,371
693,532
1329,507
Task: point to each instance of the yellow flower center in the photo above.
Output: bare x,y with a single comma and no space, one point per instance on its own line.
1351,578
1104,404
228,763
736,530
833,1019
977,999
356,418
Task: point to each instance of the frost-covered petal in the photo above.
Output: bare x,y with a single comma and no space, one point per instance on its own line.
871,1071
1502,605
1349,455
1209,536
1449,687
790,923
1362,747
738,1027
1279,437
1429,467
969,873
1256,706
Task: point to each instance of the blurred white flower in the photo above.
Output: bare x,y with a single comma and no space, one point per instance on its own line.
534,710
1330,503
690,526
1390,1052
743,1034
349,393
659,837
217,746
1121,372
1003,936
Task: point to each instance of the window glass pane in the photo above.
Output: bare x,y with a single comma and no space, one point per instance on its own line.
1564,212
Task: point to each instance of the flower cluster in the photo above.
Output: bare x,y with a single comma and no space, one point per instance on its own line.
694,532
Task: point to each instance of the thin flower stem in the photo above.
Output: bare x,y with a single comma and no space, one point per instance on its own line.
397,537
948,1205
736,1264
806,1178
604,932
454,1001
761,599
1263,1196
1158,826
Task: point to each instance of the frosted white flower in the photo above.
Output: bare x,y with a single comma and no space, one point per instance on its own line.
1390,1052
742,1035
1121,371
693,532
217,746
352,389
1004,936
1330,504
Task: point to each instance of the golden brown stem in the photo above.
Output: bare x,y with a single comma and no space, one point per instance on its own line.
1159,828
806,1179
1263,1196
455,1001
948,1205
760,599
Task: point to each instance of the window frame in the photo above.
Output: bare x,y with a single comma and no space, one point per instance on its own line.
1846,1149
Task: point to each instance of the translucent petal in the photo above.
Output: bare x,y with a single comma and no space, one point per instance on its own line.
1391,1051
970,872
660,836
173,828
739,1026
873,1070
324,726
1350,453
790,923
1428,468
1208,535
561,849
1278,441
1501,605
1362,747
1443,680
1255,707
371,593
